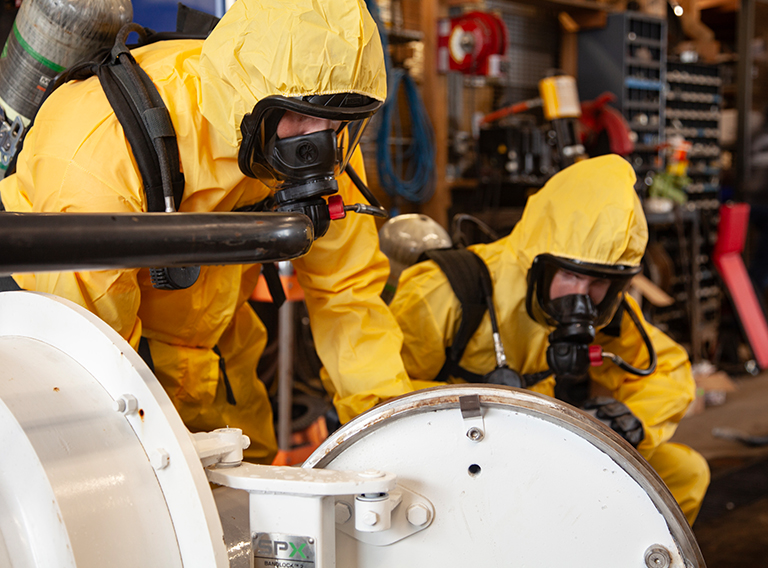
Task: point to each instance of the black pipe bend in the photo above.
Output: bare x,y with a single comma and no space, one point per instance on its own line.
44,242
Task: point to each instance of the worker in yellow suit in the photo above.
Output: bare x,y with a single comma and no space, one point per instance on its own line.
270,73
561,272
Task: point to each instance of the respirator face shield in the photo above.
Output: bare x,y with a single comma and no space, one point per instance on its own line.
304,157
596,309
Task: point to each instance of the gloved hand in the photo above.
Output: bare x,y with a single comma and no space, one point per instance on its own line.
618,416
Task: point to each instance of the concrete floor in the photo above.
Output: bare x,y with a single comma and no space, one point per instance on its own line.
732,527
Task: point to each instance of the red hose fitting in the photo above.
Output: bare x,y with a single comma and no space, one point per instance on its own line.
336,207
595,355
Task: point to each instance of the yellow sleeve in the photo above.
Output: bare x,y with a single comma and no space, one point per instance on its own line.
356,337
427,311
83,168
658,400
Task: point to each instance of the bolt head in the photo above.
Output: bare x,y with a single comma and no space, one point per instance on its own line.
657,557
159,458
343,512
475,434
371,474
126,404
417,514
370,518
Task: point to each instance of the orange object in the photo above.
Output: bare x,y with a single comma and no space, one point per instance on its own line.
512,109
293,291
303,443
677,162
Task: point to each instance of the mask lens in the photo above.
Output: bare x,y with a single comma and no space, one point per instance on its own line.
277,119
554,277
279,125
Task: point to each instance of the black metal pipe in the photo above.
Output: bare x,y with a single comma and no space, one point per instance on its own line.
45,242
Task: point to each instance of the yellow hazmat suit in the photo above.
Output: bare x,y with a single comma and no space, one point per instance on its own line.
588,212
76,158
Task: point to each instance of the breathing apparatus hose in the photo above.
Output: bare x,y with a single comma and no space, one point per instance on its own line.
375,208
621,363
533,378
418,182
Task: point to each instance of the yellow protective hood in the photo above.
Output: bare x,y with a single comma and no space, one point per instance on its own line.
290,48
588,212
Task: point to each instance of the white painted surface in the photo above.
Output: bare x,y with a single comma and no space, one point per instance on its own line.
545,495
88,448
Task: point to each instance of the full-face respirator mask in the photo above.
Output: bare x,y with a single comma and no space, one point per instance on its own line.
302,168
575,319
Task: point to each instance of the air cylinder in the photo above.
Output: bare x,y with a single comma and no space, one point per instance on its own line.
49,36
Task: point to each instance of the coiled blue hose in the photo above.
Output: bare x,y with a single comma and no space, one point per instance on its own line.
411,173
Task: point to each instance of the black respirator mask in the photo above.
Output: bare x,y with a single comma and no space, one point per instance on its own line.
576,318
302,169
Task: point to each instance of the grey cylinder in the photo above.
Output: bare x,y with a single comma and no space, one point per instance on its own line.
49,36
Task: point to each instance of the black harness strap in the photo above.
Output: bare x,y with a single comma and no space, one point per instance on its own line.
227,385
274,285
269,270
471,281
8,284
145,353
190,21
147,125
465,271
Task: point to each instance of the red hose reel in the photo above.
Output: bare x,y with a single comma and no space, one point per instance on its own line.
473,43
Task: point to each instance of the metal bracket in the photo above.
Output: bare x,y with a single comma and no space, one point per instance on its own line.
292,506
472,414
10,134
302,482
411,513
223,446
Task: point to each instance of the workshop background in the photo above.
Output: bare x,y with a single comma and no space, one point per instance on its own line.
489,98
678,88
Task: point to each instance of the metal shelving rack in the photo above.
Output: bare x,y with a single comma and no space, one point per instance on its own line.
694,108
694,104
628,58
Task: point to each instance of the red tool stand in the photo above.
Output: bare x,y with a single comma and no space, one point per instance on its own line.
731,234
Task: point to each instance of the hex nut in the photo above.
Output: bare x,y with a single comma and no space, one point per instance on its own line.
160,459
417,514
343,512
126,404
370,518
475,434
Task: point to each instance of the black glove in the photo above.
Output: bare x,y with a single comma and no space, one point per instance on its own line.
616,415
